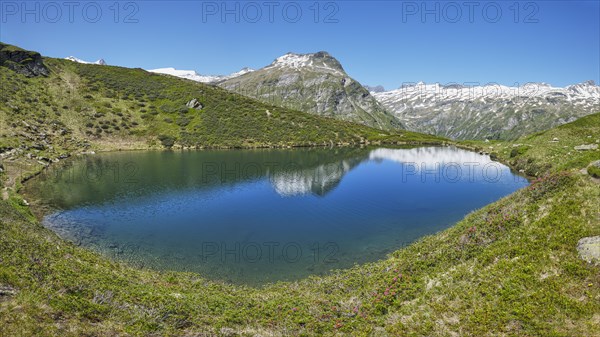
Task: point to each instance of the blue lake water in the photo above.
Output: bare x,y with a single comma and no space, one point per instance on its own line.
259,216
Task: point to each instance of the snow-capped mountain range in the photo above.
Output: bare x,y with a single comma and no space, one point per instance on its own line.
74,59
194,76
436,91
489,111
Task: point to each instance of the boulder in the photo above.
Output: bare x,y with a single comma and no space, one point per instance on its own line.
589,249
194,104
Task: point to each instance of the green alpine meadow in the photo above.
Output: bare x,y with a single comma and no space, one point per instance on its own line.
382,169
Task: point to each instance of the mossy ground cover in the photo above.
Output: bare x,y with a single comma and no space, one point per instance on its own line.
510,268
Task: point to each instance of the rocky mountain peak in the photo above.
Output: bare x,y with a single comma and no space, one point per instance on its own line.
315,83
590,82
378,88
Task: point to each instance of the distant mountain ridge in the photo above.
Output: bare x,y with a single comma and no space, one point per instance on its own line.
490,111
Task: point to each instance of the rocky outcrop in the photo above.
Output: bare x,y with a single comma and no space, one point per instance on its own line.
22,61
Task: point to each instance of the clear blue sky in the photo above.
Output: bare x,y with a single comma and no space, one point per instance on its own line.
385,42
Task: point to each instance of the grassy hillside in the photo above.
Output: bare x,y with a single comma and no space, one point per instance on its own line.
81,107
103,103
549,151
510,268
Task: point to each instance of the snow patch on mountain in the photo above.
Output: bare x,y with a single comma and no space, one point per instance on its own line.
292,60
187,74
194,76
320,61
74,59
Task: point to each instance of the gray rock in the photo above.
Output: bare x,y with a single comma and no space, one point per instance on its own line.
7,291
586,147
225,331
589,249
194,104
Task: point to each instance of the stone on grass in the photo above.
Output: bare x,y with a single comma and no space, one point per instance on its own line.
194,104
589,249
586,147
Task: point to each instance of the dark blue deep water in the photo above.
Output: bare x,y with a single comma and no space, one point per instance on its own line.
258,216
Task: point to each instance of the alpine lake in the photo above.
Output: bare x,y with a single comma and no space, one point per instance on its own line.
260,216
